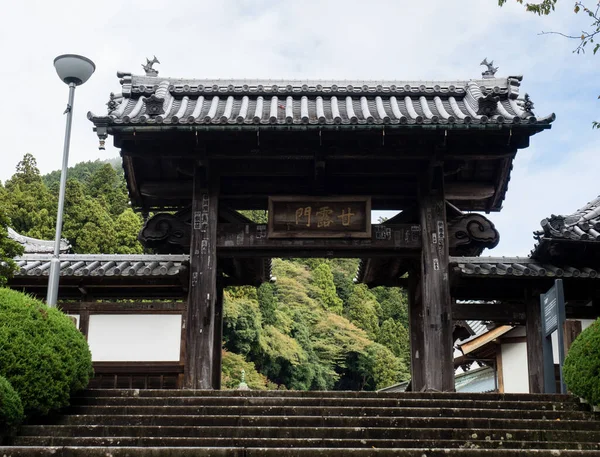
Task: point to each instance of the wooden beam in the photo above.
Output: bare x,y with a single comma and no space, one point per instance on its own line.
200,325
120,307
535,350
572,329
484,339
218,344
505,312
417,343
235,240
500,369
438,367
469,191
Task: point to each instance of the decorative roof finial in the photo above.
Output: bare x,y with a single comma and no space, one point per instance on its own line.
148,67
491,70
528,104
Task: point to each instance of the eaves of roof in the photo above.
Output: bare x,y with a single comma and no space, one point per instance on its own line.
221,104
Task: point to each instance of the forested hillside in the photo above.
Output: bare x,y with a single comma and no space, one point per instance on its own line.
311,329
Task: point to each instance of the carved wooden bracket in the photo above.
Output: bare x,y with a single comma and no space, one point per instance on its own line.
470,234
167,233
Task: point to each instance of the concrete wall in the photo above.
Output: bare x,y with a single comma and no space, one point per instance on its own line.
135,337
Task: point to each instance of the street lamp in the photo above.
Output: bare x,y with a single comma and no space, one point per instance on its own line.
74,70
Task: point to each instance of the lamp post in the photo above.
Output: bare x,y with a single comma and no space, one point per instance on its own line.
74,70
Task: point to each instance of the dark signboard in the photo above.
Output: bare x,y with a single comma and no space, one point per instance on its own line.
319,217
550,310
553,317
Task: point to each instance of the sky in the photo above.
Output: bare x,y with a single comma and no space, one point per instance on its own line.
309,39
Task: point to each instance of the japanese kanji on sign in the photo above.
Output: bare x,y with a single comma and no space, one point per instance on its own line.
319,217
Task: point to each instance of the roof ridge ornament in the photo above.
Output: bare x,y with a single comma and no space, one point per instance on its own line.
148,67
491,70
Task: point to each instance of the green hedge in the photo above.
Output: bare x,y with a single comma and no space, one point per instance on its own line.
582,365
42,354
11,408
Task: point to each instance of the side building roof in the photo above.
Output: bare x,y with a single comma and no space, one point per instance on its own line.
573,239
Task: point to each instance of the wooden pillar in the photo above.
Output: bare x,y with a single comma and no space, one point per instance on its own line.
415,319
438,353
218,344
200,329
535,349
572,329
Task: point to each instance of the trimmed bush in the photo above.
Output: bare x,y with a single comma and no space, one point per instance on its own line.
11,408
582,365
42,354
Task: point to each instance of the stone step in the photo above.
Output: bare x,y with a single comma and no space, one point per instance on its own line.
328,411
327,421
278,452
313,432
297,443
405,402
325,394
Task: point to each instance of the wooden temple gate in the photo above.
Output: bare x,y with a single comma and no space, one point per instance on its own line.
209,148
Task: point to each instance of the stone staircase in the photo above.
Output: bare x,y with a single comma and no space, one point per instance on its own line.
182,423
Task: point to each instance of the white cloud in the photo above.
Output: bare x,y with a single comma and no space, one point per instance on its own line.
381,39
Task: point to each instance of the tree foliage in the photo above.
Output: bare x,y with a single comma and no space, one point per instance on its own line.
97,217
42,354
582,365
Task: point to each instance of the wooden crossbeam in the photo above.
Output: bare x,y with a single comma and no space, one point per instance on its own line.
238,240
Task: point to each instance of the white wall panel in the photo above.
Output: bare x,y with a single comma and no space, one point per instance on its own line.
515,368
134,337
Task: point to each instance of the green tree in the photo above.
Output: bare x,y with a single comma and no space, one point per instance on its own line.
380,368
394,304
127,227
324,288
106,187
362,310
267,301
394,336
9,249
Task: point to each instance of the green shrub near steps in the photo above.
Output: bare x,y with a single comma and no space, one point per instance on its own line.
42,354
11,408
582,365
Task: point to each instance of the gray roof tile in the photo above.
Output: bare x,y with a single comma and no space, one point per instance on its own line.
518,267
583,224
36,246
74,265
148,100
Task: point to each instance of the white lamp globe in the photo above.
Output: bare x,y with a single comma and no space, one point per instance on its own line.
72,68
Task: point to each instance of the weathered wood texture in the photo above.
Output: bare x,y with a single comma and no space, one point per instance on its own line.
200,326
159,307
438,367
415,316
503,313
319,217
535,350
218,344
572,329
499,369
251,239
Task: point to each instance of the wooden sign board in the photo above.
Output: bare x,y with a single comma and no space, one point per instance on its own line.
319,217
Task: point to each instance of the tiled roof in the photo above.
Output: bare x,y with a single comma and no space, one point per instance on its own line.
74,265
518,267
148,100
35,246
583,224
